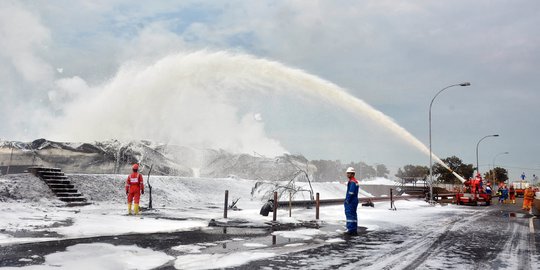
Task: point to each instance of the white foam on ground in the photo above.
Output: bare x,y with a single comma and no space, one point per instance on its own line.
218,261
102,256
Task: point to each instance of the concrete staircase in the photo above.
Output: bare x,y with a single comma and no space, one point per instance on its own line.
60,185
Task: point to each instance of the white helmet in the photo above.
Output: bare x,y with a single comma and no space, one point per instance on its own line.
350,169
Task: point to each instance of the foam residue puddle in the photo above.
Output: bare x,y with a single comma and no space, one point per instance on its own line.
251,243
516,215
237,231
244,239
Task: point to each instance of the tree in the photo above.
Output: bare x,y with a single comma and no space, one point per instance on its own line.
456,165
497,175
381,170
332,170
328,170
363,171
413,171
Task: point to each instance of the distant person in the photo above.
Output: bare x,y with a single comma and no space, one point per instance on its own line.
134,188
351,203
472,185
488,190
476,184
512,193
528,198
504,194
523,176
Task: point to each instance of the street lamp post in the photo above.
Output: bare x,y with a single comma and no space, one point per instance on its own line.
493,163
477,165
430,150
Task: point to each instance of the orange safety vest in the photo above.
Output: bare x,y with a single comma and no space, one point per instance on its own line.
529,194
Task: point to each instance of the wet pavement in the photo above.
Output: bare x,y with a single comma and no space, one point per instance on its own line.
494,237
11,255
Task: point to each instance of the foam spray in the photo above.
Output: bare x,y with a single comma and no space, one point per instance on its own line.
185,77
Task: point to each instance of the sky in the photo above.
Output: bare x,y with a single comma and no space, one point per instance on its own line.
237,75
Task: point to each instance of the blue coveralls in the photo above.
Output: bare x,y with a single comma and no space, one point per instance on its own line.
351,203
505,193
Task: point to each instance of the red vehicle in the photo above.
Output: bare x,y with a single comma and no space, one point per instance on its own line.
520,187
474,193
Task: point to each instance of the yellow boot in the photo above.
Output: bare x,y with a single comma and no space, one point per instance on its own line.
129,208
136,209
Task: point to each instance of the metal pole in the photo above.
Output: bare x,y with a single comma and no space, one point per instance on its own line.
149,187
290,204
275,206
10,157
392,204
317,204
477,164
430,150
226,202
391,200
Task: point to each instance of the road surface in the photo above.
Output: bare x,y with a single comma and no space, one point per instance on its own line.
494,237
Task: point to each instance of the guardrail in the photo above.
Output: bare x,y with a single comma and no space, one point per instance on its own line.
274,205
305,203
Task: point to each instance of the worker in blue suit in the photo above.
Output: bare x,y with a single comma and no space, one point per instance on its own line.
351,203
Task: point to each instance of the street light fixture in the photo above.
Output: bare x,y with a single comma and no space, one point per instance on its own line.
493,163
430,151
477,165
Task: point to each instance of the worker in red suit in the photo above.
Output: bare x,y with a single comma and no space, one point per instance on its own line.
512,194
134,188
476,185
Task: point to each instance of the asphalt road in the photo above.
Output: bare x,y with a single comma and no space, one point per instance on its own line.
494,237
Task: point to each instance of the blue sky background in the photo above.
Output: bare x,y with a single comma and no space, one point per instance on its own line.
393,55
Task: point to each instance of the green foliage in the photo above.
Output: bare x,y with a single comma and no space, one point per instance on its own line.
497,175
334,170
363,171
381,171
455,163
328,170
413,172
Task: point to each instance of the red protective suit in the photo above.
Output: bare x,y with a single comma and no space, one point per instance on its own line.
134,187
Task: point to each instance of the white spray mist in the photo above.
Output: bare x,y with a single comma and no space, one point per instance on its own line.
184,99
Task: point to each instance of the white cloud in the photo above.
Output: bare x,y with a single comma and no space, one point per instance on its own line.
66,90
23,37
393,55
152,42
257,117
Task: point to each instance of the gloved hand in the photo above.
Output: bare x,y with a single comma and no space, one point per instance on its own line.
142,192
127,192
